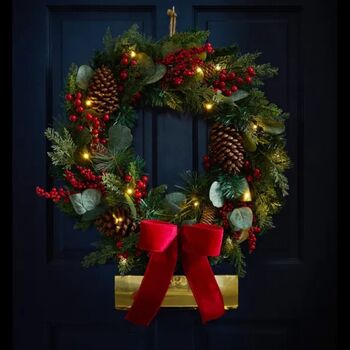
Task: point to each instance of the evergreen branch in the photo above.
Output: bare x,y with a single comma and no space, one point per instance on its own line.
63,148
104,254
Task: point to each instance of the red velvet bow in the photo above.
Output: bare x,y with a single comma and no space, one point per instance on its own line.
196,242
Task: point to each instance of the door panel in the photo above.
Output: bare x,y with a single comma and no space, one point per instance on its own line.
287,301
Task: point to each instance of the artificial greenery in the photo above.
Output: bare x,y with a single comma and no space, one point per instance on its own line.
139,66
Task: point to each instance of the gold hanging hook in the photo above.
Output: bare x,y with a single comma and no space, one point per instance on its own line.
172,26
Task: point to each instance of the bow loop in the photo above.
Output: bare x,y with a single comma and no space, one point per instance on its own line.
156,235
202,239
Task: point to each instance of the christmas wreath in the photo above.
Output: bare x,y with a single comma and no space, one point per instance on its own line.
100,181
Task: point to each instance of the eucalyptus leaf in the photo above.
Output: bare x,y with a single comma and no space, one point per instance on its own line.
85,201
238,95
84,75
215,195
146,63
91,198
174,201
271,126
241,218
120,138
94,213
159,73
249,142
131,206
77,203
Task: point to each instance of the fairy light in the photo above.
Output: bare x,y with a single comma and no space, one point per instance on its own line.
88,103
199,70
208,106
132,54
218,67
86,155
129,191
196,203
247,197
255,127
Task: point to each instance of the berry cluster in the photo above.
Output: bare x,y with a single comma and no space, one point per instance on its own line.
89,180
229,82
224,210
183,64
141,187
252,174
252,238
85,118
55,194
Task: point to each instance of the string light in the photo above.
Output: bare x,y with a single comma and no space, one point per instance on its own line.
218,67
132,54
88,103
86,155
199,70
129,191
247,197
196,203
255,127
208,106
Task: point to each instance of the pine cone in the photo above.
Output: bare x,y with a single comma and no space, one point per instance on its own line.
116,223
208,215
103,91
226,148
209,70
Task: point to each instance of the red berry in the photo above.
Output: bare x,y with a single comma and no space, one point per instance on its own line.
89,117
239,81
137,193
249,178
124,61
224,71
77,103
231,76
222,77
251,71
127,178
249,79
69,97
247,164
121,88
222,85
234,88
144,178
79,95
73,118
95,131
96,123
123,75
216,83
257,173
206,158
103,141
80,109
80,128
133,62
141,185
106,117
227,92
95,140
119,244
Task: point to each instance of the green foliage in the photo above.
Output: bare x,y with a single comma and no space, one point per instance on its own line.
71,80
63,148
126,116
112,161
105,253
232,186
152,206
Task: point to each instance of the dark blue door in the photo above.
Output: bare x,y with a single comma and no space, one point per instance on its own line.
287,300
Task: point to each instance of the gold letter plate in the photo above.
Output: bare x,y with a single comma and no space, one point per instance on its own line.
179,294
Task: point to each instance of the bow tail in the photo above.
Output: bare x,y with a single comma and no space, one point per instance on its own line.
154,286
204,287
